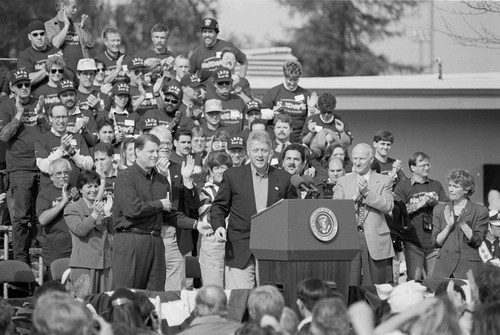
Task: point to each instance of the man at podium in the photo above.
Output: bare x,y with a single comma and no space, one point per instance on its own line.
243,192
372,194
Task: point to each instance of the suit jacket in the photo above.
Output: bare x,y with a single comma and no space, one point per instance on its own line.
457,255
236,199
186,201
378,201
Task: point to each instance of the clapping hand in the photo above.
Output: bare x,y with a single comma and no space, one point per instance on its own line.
83,20
66,142
108,205
64,194
97,207
312,100
449,216
187,167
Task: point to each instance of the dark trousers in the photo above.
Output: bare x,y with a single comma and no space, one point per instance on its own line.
138,262
21,197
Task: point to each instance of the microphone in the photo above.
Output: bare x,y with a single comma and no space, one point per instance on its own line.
310,183
299,182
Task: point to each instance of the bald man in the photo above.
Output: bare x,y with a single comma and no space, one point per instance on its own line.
210,311
372,193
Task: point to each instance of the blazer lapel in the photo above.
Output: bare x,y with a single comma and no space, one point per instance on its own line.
272,187
247,179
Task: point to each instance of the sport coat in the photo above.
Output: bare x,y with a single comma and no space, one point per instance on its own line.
236,198
378,201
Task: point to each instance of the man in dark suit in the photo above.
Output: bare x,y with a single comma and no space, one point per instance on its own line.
243,192
372,193
184,197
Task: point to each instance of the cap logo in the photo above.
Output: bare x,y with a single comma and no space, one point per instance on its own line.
123,87
207,22
66,84
137,61
236,140
223,74
194,78
173,89
20,74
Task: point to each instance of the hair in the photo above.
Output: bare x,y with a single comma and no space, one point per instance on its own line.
54,60
486,319
182,56
258,121
265,300
107,148
333,158
198,132
319,143
59,3
160,28
128,107
297,147
328,155
383,135
327,102
105,122
211,300
441,319
218,158
57,104
222,136
251,328
124,309
86,177
140,142
417,156
145,306
181,131
329,317
463,178
365,147
226,50
49,286
292,68
57,313
311,290
6,314
123,150
57,161
289,321
261,137
488,283
98,61
110,30
285,118
441,289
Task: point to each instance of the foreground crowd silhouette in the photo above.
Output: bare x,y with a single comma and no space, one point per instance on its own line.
131,167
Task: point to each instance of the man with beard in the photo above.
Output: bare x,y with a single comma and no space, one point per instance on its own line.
233,106
112,57
282,132
326,119
193,96
79,122
20,128
32,59
167,116
206,57
88,98
74,39
59,143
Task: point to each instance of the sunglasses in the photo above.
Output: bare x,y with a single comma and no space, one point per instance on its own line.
38,34
224,83
138,72
171,101
25,85
61,71
101,69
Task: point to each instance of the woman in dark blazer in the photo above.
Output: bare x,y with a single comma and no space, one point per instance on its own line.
459,227
89,221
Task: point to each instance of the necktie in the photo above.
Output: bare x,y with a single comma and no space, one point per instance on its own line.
360,212
495,252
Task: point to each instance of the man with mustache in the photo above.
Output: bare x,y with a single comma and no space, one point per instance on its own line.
282,132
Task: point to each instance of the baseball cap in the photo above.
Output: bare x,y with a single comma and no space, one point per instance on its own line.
191,80
213,105
121,88
86,64
19,76
65,85
136,63
209,23
252,105
35,25
236,142
494,218
174,90
222,74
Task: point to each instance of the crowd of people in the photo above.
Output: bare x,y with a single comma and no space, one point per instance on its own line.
128,164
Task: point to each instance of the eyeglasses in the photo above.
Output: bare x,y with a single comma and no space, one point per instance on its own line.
25,85
61,173
171,101
62,117
224,83
138,72
101,69
166,145
423,166
38,34
53,71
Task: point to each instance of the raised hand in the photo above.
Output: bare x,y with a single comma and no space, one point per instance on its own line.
64,194
162,165
312,100
449,216
19,107
97,207
83,20
187,167
108,205
92,100
66,141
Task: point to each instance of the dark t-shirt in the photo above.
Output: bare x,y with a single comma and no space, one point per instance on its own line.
232,116
81,101
148,103
50,95
56,239
158,117
32,60
208,59
292,103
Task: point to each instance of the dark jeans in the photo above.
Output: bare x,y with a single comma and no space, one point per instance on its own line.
21,197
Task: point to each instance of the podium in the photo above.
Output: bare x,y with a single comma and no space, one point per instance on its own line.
298,239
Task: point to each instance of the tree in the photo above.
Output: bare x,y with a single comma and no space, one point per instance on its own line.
335,38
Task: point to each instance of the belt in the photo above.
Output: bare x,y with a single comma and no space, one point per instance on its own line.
139,231
361,228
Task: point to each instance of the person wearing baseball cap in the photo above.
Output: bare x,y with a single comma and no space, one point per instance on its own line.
212,121
32,59
168,115
143,97
194,92
90,100
20,124
252,112
237,150
206,55
126,120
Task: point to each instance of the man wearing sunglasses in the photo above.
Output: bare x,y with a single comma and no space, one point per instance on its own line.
143,98
20,128
33,58
87,96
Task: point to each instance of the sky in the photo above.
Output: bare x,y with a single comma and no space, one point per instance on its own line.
262,22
